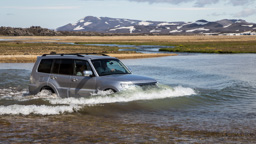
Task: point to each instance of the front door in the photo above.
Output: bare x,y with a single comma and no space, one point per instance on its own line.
81,85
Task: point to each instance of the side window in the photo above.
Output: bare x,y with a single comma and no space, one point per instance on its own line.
81,66
66,67
56,66
63,66
45,66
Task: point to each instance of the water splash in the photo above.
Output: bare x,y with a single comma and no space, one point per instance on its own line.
34,109
59,105
128,96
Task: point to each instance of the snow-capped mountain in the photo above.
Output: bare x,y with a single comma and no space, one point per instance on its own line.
117,25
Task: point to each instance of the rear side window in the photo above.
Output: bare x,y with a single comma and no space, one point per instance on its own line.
56,66
63,66
45,66
66,67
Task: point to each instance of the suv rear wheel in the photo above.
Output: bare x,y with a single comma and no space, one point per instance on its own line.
46,91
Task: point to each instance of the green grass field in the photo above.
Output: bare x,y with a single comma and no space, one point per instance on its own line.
36,45
196,47
214,47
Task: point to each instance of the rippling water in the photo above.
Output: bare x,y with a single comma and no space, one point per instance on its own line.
201,98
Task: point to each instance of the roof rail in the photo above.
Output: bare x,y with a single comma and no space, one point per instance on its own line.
77,54
63,54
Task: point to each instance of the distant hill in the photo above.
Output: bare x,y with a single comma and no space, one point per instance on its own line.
32,31
38,31
105,26
122,26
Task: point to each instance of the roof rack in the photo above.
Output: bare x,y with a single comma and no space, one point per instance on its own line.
77,54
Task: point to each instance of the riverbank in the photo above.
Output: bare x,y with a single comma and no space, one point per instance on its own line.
32,58
130,39
38,45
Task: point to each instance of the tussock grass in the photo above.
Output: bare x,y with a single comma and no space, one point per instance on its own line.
214,47
20,48
32,58
201,44
132,39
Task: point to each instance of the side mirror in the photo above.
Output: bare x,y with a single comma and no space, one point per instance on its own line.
87,73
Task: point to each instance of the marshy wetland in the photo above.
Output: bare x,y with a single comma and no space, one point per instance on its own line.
201,98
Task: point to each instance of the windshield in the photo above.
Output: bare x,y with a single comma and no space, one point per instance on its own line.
109,67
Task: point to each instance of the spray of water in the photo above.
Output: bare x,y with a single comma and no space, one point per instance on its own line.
69,105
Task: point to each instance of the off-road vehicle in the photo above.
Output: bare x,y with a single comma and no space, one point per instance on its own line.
79,75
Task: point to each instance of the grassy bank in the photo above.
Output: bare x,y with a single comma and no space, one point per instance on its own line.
214,47
32,58
199,44
21,48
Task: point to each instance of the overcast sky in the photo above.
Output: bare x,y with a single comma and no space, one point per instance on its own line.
55,13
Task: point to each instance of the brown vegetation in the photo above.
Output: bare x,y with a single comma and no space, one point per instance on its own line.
162,40
32,58
21,48
38,45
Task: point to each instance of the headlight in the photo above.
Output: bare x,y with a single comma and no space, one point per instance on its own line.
127,85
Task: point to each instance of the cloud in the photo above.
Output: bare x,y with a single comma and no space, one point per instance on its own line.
218,14
245,13
41,7
9,14
189,8
163,1
199,3
241,2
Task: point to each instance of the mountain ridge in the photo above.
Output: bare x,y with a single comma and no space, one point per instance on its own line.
121,25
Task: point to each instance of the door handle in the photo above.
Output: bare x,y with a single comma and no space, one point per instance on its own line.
53,77
74,79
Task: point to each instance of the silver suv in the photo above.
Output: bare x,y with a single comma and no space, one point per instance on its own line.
79,75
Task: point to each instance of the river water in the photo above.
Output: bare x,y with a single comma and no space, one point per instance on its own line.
202,98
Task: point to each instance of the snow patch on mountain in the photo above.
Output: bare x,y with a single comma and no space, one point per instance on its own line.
197,29
130,28
175,31
227,26
247,25
155,31
78,28
164,24
144,23
87,23
179,27
74,24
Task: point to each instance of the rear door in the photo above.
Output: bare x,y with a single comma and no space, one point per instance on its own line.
81,85
60,77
